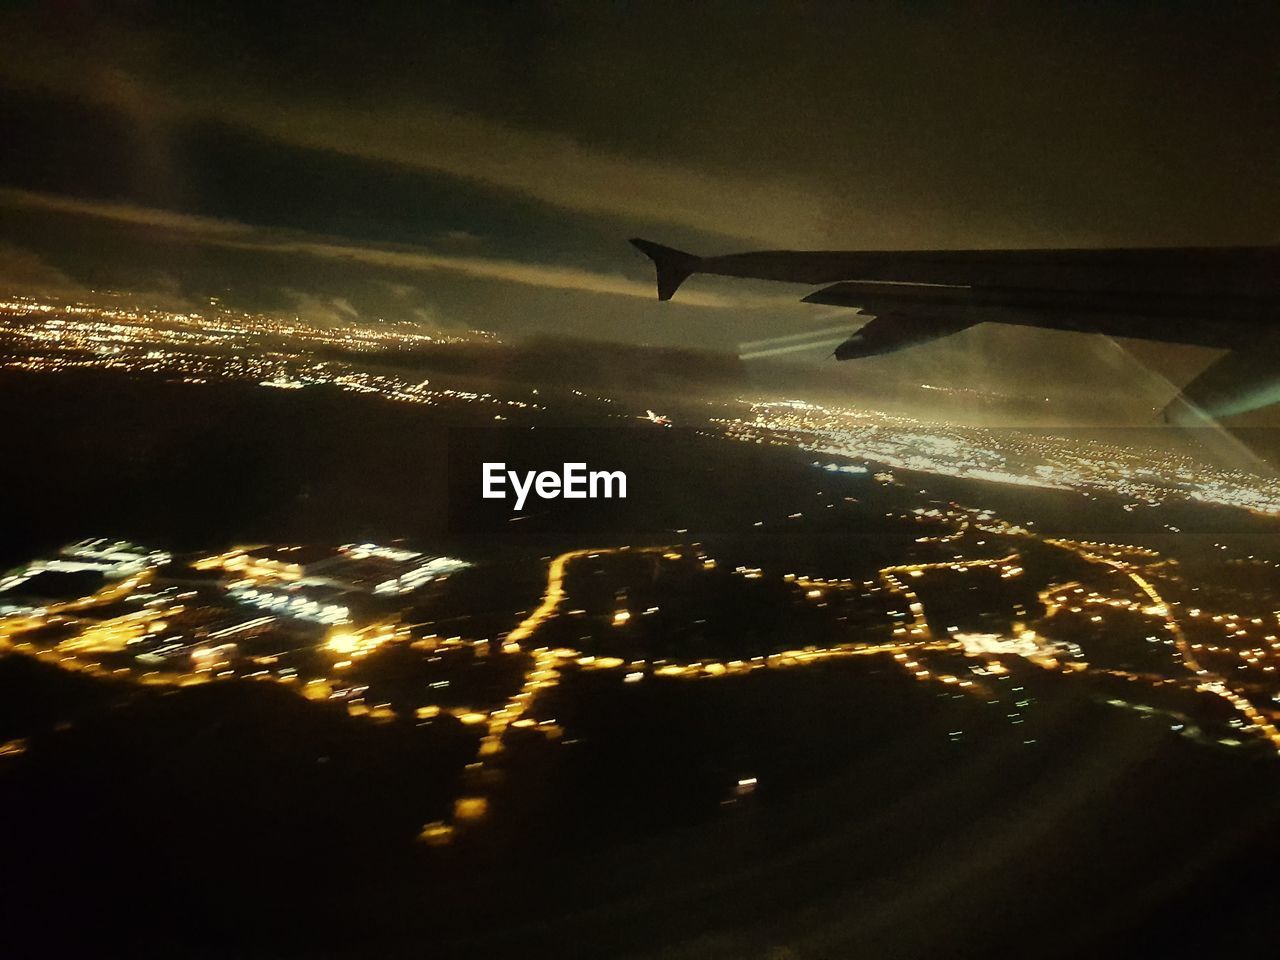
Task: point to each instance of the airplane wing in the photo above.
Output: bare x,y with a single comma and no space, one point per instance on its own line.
1247,272
1222,297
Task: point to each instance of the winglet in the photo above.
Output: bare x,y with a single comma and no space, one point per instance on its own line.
673,266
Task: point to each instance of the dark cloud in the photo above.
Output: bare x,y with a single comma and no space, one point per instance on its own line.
22,271
272,242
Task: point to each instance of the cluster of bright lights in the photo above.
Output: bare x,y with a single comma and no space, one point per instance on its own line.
1143,477
1229,654
290,604
224,345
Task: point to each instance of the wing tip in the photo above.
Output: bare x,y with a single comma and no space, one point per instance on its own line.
672,267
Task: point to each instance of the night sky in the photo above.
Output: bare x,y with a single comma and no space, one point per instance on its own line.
481,165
